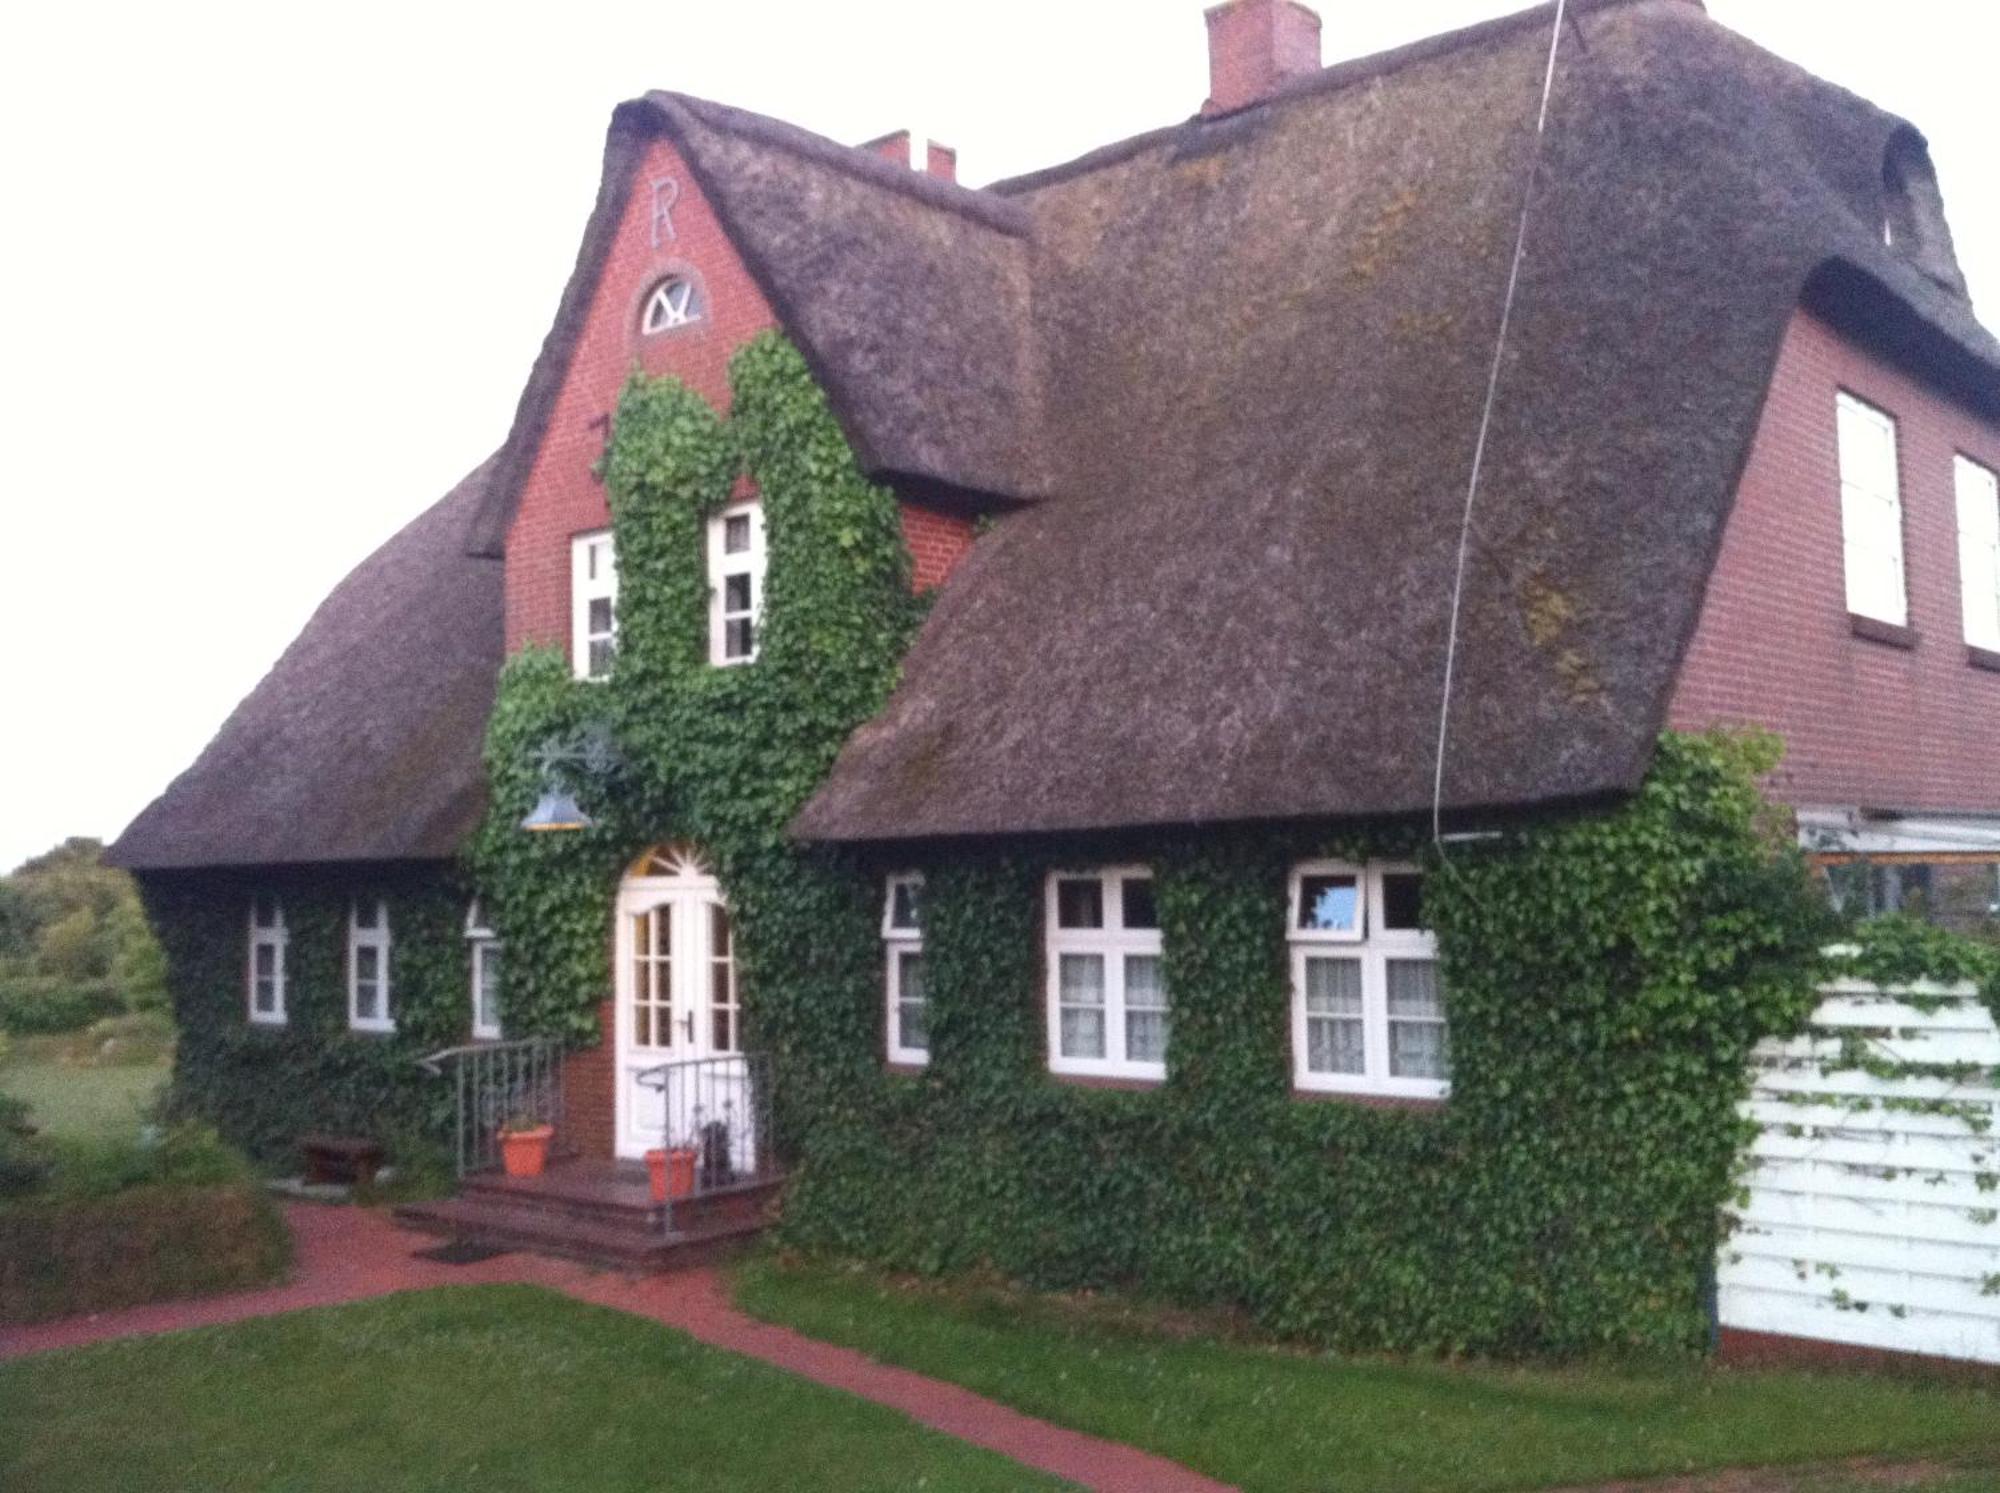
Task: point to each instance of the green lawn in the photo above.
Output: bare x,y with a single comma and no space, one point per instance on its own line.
1272,1421
486,1387
79,1103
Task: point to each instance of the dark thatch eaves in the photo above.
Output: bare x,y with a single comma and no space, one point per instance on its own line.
363,742
1263,344
908,296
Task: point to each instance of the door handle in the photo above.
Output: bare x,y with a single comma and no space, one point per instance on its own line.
687,1027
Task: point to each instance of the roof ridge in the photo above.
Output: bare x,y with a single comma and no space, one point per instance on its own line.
1329,79
933,191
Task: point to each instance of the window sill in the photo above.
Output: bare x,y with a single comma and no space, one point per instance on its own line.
1874,630
267,1023
1106,1081
906,1067
1371,1101
379,1033
1982,658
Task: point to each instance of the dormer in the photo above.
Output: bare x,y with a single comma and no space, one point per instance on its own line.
1913,222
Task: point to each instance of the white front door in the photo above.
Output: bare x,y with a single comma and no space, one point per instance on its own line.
677,1002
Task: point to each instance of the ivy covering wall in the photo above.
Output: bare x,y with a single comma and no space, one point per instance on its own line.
263,1086
1606,978
1606,974
720,758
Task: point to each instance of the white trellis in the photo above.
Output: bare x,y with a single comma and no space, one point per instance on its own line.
1872,1207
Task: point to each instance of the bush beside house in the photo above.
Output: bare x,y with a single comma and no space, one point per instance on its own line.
93,1228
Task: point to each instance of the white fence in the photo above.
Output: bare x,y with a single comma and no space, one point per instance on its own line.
1873,1211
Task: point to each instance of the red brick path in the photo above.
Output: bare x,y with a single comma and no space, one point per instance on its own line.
348,1254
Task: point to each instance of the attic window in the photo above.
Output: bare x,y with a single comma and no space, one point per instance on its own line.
672,304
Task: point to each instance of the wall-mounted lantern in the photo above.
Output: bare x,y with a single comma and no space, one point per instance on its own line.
590,753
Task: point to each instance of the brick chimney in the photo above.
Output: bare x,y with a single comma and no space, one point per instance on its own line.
1255,46
939,160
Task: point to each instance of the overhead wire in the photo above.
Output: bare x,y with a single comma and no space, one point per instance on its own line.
1486,421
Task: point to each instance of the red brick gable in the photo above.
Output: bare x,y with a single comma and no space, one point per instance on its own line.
561,498
1866,723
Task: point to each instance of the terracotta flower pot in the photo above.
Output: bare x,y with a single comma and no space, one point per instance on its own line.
672,1171
524,1153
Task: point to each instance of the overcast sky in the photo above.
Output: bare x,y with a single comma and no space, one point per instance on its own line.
276,274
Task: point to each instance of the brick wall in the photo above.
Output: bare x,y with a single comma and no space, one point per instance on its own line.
937,541
1866,723
590,1113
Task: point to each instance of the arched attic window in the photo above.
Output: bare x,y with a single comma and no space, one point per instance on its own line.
673,303
1913,225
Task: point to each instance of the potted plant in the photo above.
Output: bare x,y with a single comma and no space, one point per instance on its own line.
672,1171
524,1145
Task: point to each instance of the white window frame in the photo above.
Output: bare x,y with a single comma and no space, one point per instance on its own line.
1871,511
1372,945
1978,490
483,944
900,940
377,938
664,312
274,937
1114,943
593,576
721,566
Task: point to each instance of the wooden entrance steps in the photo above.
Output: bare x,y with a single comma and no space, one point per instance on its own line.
599,1213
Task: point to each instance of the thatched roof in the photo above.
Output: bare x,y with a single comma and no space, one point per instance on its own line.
362,743
1223,381
1264,342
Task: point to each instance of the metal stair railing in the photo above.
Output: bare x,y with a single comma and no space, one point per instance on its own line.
720,1109
495,1082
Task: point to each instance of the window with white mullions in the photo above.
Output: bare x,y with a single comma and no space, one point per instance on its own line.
1368,1011
368,1000
903,940
593,589
1109,1014
486,965
267,961
1979,550
1871,512
653,977
673,303
736,583
725,1006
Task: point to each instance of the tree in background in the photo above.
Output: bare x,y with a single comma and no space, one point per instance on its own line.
74,944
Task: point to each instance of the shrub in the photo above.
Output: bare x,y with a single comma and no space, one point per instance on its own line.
91,1226
34,1005
64,1255
181,1155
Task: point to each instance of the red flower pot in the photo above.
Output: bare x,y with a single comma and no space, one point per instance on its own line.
672,1172
524,1153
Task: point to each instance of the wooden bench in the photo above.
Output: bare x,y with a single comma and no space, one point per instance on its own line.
340,1158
